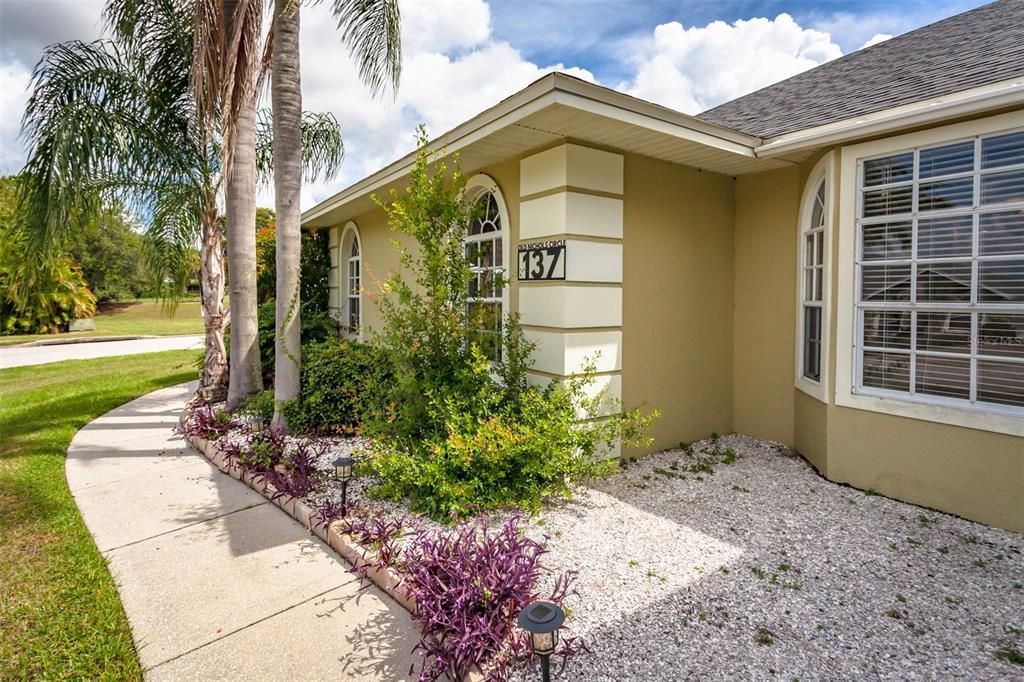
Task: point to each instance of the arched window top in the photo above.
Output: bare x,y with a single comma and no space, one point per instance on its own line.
488,217
818,210
354,251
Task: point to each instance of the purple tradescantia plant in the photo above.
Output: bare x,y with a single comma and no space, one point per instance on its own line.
297,475
380,536
205,423
470,583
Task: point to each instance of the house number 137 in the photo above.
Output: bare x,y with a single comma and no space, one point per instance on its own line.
542,261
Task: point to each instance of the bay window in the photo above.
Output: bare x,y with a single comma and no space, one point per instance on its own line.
940,274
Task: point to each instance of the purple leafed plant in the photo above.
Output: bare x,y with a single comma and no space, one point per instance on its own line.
380,536
469,584
205,423
255,449
297,475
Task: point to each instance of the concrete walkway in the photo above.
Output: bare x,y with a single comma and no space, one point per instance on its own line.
217,583
19,356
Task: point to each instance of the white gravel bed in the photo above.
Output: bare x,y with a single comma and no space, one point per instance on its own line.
764,570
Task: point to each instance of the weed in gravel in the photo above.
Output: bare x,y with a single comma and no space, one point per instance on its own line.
633,563
652,574
1010,630
912,541
972,539
763,637
892,545
784,567
759,572
1018,586
793,586
901,599
955,601
647,477
665,472
740,489
943,550
894,613
925,521
1010,655
725,569
871,492
980,563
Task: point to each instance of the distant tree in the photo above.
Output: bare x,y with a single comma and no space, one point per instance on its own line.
111,253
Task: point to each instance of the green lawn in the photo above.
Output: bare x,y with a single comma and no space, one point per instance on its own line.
60,616
146,317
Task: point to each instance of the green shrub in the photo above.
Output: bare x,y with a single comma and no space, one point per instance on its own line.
343,382
463,434
316,326
261,405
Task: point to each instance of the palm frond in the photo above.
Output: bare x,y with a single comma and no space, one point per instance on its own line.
372,31
241,70
172,239
322,147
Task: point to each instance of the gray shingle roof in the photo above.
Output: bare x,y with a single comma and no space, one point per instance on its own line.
983,45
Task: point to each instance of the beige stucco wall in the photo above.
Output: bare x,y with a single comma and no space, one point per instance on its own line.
766,211
380,259
677,298
972,473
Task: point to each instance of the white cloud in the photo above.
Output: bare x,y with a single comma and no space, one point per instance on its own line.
693,69
14,80
452,70
875,39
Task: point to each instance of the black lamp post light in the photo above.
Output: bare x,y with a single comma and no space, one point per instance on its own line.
541,620
343,472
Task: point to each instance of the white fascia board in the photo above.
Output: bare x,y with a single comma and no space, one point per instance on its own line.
527,101
964,103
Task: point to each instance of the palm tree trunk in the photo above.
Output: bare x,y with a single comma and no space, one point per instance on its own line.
286,96
211,283
240,199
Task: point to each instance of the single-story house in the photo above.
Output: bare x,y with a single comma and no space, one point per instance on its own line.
834,262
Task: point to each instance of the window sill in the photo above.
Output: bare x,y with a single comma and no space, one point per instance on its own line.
813,389
970,418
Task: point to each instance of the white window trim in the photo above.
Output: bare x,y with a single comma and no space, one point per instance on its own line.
475,186
987,419
823,170
344,249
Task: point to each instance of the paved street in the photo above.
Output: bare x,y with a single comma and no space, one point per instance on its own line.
19,356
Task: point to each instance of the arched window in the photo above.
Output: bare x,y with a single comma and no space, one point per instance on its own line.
351,281
814,234
485,245
813,285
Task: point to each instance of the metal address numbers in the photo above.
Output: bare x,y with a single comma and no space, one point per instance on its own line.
542,260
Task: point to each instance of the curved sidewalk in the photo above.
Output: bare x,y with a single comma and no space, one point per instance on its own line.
216,582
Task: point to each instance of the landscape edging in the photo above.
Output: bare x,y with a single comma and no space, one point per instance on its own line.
342,543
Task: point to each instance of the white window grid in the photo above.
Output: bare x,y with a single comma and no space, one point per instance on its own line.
977,309
353,291
812,249
486,287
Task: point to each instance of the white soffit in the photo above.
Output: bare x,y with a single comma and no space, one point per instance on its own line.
555,108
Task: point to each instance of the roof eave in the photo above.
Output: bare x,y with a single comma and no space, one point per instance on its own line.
994,96
554,88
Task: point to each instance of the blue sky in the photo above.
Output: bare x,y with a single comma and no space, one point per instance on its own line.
590,32
462,56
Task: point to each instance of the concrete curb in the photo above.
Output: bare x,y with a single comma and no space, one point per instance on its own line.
342,543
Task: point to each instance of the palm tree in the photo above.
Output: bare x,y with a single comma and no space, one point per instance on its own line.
226,72
372,31
116,119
